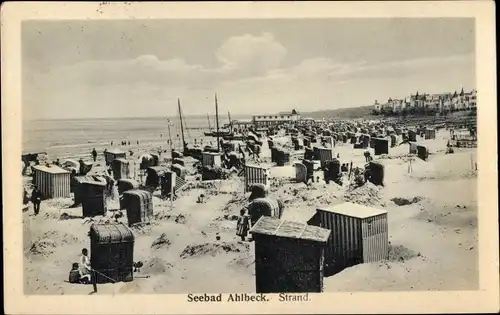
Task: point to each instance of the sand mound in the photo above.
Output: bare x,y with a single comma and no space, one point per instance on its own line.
406,201
161,242
143,228
60,203
243,262
234,205
401,253
155,266
66,216
214,249
177,218
60,238
43,247
228,217
368,195
447,215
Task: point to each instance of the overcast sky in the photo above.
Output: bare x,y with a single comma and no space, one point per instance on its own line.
79,69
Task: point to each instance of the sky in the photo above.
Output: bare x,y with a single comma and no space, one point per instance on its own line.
139,68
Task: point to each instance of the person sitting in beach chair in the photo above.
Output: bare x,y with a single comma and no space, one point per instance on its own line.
87,275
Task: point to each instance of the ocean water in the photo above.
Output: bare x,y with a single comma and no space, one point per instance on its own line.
76,138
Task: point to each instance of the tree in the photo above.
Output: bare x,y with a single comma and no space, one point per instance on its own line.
404,112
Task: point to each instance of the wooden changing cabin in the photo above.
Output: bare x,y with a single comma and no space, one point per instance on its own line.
288,256
53,181
359,235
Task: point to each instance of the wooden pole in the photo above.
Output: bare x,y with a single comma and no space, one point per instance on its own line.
217,121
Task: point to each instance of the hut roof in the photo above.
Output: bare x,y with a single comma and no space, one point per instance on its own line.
115,151
289,229
52,169
353,210
91,179
123,160
111,233
263,166
211,153
139,193
159,169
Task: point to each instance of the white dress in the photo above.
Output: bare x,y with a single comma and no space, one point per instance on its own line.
84,267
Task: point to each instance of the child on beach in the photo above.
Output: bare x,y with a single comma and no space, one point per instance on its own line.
243,225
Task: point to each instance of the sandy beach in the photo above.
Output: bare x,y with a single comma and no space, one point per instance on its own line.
432,213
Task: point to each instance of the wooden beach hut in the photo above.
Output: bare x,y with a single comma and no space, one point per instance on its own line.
211,159
288,256
112,252
123,169
53,181
113,154
168,183
79,189
154,173
300,173
381,146
422,152
430,133
324,154
93,197
264,206
255,175
139,205
125,185
359,234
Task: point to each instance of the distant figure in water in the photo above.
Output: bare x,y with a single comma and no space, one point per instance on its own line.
194,140
129,142
94,154
111,142
161,135
137,142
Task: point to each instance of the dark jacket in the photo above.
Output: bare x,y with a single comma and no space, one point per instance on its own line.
36,196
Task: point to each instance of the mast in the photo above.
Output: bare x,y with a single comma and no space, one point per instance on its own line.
209,127
217,121
230,123
182,126
170,135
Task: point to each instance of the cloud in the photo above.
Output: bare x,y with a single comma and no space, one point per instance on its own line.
251,55
250,78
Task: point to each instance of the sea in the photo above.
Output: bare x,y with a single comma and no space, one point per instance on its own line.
75,138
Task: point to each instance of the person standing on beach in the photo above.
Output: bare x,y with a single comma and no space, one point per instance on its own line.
94,154
257,153
243,225
36,199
